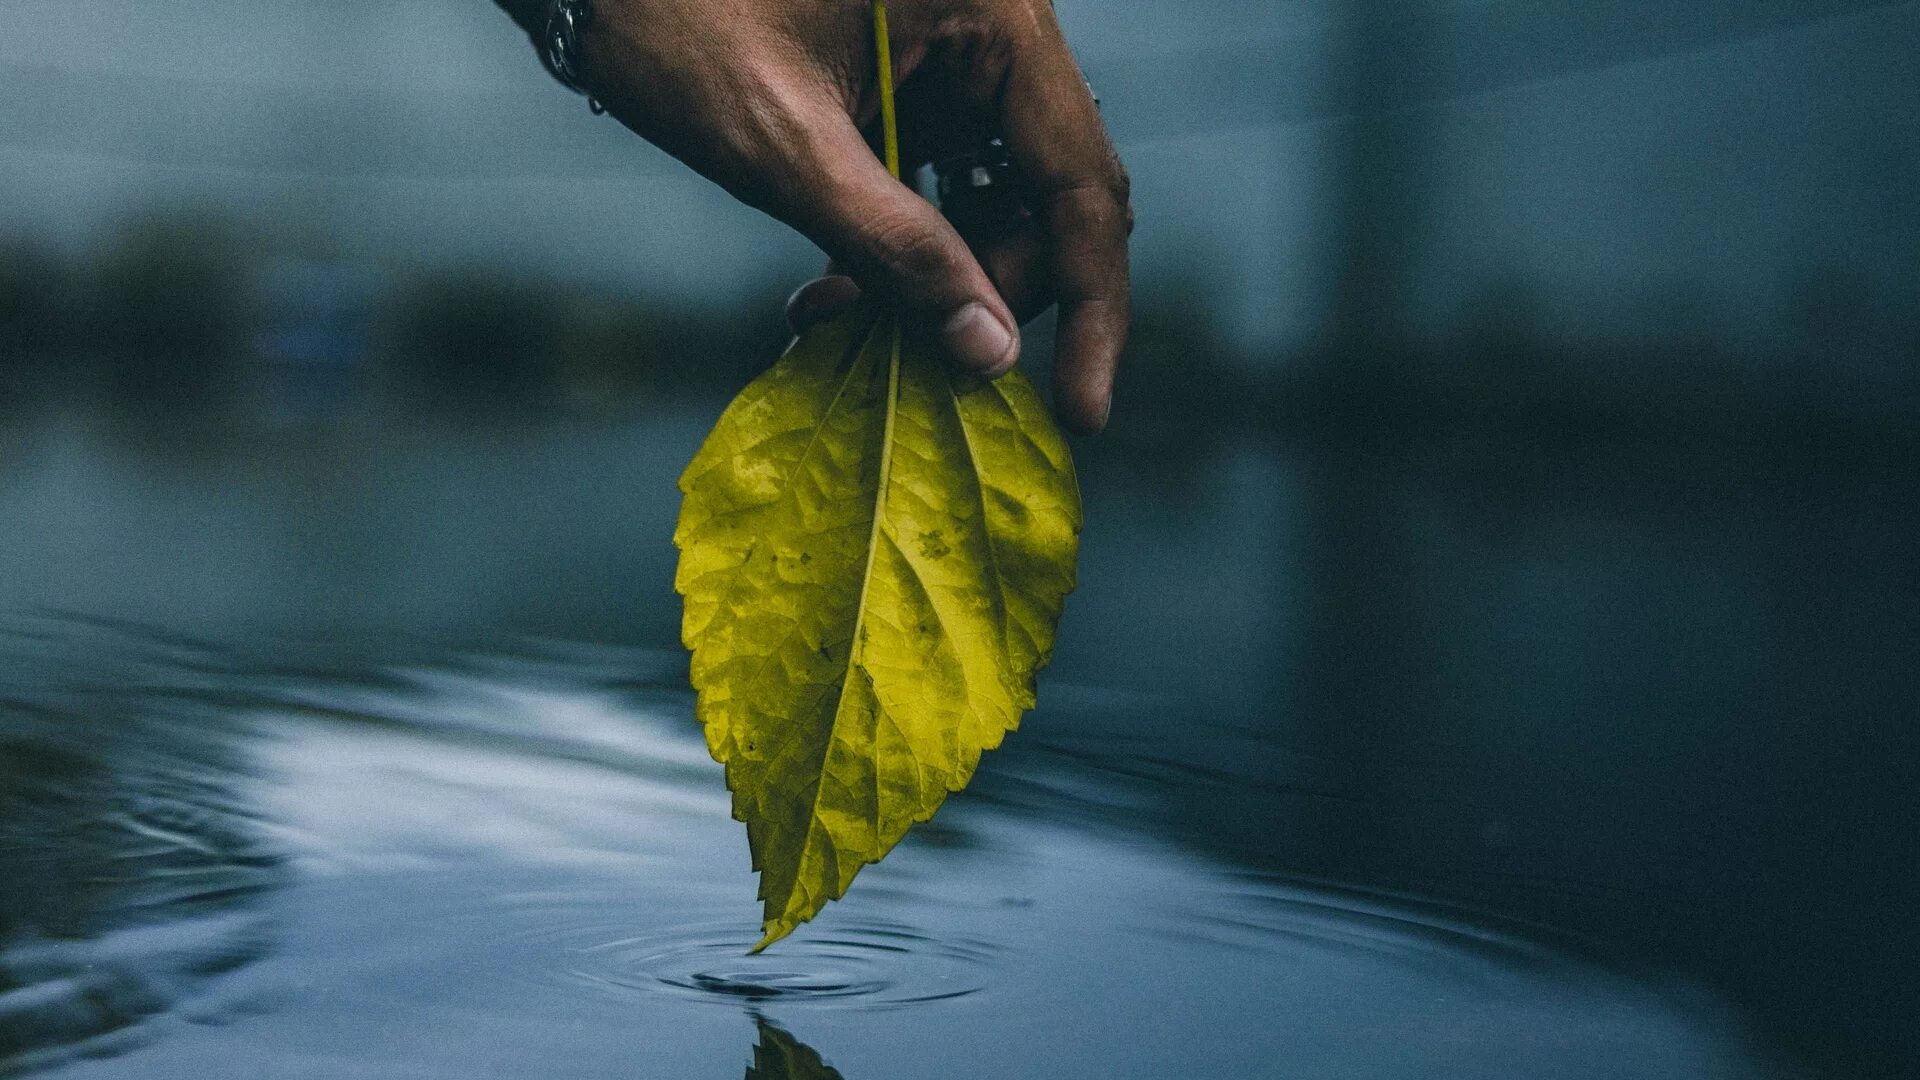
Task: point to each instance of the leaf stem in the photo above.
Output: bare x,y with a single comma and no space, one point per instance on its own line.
889,124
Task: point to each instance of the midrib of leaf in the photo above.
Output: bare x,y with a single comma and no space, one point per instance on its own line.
859,651
856,655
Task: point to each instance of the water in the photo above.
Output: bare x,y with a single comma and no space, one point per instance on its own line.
1366,752
314,860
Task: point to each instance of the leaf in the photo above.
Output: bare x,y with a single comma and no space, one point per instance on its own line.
874,550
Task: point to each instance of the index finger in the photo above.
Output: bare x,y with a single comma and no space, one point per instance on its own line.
1081,194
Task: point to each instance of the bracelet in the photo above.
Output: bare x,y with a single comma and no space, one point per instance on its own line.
560,46
983,190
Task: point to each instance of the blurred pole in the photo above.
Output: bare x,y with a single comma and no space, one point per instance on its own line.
1380,65
1361,695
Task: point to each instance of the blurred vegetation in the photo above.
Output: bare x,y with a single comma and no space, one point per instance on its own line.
477,343
180,322
163,315
29,298
30,323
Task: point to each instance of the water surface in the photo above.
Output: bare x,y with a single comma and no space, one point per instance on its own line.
310,859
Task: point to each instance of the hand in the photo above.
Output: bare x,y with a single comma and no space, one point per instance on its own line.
769,98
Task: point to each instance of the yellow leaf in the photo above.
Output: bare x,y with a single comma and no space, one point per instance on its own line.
874,550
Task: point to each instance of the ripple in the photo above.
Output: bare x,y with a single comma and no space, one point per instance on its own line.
531,858
132,872
865,965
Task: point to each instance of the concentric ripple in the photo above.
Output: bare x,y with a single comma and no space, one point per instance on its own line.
868,965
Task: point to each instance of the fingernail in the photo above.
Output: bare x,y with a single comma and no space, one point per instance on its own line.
980,341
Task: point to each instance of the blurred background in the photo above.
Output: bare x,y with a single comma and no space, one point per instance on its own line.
1511,491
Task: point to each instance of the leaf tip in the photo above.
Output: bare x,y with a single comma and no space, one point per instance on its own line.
774,932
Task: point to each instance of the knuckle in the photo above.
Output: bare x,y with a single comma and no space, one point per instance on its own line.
1101,202
1120,189
903,246
1120,183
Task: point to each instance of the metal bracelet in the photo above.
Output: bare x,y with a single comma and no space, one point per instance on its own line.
560,45
983,192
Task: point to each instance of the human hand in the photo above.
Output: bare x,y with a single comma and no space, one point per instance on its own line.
769,98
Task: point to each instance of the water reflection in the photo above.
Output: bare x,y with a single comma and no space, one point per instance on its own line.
780,1056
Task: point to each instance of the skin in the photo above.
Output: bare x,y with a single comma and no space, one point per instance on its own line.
774,100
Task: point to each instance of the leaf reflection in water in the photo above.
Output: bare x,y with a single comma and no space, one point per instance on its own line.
780,1056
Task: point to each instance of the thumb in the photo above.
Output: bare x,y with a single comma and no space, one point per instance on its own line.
897,245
